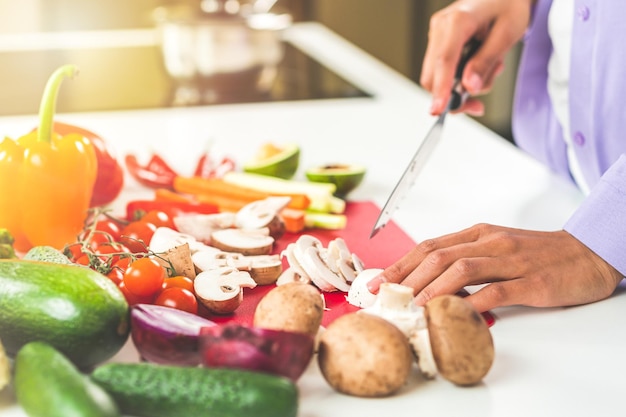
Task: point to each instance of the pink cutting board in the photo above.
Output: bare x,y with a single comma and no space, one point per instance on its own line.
388,246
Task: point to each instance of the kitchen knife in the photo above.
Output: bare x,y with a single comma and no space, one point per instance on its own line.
458,97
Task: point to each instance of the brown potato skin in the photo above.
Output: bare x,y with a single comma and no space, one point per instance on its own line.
460,339
364,355
296,307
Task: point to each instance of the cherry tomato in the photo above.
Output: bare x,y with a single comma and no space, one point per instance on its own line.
179,281
178,298
144,277
159,218
74,251
109,227
136,236
116,275
133,299
98,239
122,263
83,260
106,250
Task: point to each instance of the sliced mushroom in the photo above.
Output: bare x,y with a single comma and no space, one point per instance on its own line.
202,226
290,275
265,269
244,241
165,239
319,271
294,265
209,258
263,213
357,264
220,289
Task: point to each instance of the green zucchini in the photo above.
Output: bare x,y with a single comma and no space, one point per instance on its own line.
78,311
47,384
152,390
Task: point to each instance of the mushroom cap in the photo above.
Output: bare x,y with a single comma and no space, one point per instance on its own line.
364,355
460,339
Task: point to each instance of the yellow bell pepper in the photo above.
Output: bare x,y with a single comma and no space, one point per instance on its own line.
46,179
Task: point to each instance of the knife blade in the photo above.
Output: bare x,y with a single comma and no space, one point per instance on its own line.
428,145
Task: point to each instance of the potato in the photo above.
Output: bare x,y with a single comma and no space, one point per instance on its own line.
296,307
364,355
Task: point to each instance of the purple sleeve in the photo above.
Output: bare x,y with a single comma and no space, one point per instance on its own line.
600,221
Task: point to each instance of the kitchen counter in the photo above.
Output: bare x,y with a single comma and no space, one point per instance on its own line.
559,361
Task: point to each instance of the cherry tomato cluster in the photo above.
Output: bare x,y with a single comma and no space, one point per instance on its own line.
120,251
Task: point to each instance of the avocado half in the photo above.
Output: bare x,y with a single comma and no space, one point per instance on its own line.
275,161
346,177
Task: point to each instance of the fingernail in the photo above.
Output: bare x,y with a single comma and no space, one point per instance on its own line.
374,284
436,106
474,83
419,299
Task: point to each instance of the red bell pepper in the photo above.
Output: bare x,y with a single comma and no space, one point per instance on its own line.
208,168
156,174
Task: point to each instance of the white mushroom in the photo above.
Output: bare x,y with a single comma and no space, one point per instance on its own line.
357,264
319,271
359,295
395,303
165,239
294,265
290,275
244,241
265,269
448,336
220,289
202,226
330,269
260,213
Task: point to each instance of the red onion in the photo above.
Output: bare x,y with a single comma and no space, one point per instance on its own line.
245,347
167,335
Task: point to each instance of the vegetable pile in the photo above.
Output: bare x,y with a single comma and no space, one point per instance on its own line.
163,274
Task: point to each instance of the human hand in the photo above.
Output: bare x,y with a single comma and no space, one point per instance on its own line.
520,267
499,24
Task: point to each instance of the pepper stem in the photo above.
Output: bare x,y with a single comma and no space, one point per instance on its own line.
49,100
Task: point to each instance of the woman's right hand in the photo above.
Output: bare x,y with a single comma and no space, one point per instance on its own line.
499,24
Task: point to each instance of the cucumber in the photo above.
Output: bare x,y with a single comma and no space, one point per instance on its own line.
47,254
47,384
151,390
77,310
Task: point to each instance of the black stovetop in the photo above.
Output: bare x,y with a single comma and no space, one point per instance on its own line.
135,78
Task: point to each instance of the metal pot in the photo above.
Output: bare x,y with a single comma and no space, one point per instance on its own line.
220,51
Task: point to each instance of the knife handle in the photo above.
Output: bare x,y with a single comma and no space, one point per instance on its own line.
459,95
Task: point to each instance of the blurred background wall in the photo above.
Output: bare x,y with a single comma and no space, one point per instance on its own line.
394,31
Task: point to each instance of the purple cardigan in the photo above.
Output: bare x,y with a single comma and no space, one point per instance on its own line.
597,118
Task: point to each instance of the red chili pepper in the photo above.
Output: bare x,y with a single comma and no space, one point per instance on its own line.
207,168
156,174
138,208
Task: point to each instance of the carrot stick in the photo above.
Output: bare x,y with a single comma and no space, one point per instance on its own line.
206,189
293,219
164,194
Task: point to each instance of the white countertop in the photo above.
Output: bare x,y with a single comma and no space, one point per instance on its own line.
548,362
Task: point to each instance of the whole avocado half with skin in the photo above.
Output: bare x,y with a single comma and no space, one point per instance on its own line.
76,310
346,177
275,161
